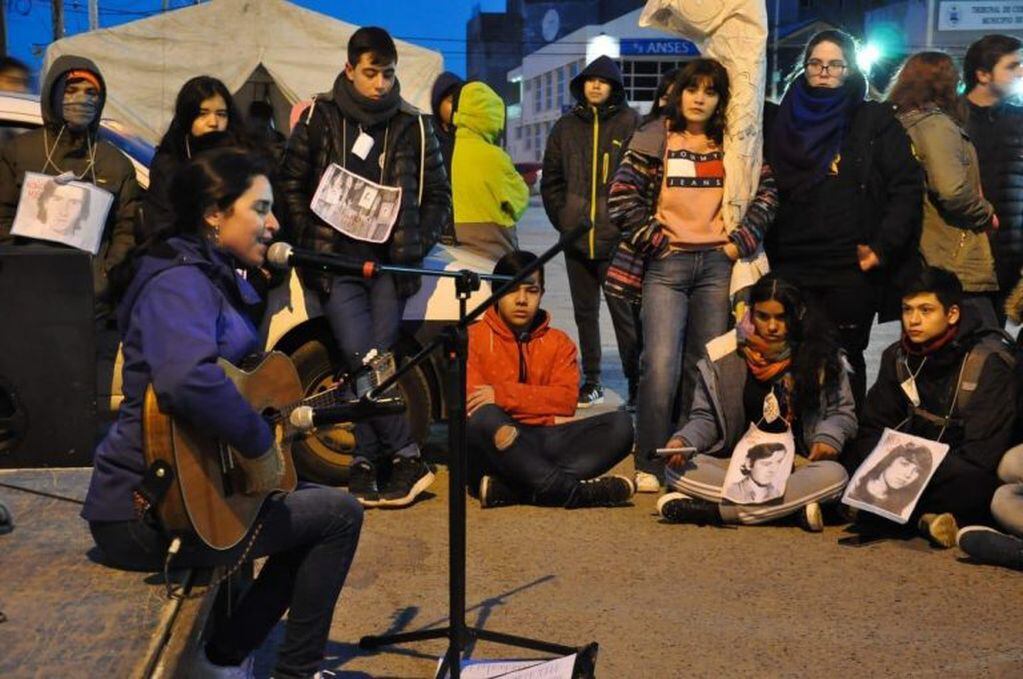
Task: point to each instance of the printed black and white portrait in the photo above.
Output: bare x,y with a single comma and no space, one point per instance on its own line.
893,477
355,206
73,213
760,467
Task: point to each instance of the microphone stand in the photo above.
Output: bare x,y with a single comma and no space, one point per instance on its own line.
455,342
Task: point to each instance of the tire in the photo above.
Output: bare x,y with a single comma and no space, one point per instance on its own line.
325,456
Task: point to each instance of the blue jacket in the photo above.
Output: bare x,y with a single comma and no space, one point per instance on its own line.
183,310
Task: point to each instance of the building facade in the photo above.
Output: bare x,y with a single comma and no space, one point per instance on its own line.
543,78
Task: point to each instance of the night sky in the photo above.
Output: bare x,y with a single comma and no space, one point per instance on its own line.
436,24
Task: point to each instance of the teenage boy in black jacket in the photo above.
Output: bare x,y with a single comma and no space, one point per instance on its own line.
401,150
963,376
574,187
993,70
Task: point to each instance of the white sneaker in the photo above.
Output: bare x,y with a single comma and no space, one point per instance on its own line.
647,483
811,519
202,668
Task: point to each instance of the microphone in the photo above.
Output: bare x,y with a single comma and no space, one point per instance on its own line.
282,256
307,418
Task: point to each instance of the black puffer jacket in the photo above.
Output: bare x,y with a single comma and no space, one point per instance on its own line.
413,155
112,172
574,171
997,134
876,199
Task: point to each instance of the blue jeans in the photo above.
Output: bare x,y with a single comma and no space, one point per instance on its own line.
310,536
546,464
685,305
366,315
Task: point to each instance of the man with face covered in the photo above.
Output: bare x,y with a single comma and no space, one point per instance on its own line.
72,98
365,126
949,379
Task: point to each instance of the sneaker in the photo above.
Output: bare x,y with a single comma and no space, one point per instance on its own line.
679,508
496,493
940,529
410,476
988,545
647,483
202,668
606,491
590,394
362,483
810,518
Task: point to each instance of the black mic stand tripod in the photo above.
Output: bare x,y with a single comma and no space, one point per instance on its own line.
455,341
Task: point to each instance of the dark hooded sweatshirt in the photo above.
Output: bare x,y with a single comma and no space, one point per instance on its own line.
112,171
446,83
582,154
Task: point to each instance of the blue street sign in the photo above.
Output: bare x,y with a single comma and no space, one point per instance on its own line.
652,47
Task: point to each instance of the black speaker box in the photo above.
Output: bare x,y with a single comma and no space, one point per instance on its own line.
47,357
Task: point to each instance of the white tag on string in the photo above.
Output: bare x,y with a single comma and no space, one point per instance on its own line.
909,388
772,409
362,146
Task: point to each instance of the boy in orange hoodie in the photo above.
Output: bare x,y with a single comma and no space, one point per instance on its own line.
521,375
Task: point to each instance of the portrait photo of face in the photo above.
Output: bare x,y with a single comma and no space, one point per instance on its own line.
63,208
760,467
892,479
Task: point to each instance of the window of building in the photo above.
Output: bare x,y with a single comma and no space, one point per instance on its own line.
536,95
562,89
518,133
548,90
537,142
640,77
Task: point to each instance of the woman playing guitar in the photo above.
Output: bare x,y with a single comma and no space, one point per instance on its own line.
183,310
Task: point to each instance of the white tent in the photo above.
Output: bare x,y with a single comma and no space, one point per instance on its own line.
266,49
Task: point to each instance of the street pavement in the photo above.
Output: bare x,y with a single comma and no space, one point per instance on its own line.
673,601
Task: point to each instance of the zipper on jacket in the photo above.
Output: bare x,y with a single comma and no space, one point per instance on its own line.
593,188
523,372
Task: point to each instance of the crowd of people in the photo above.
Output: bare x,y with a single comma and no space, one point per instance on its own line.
908,208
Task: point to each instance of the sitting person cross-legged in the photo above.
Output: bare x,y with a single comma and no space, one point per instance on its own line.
948,379
522,373
780,370
987,545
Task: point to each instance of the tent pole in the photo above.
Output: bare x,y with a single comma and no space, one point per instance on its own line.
93,15
58,19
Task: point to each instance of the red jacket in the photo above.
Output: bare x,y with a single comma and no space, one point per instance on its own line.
535,379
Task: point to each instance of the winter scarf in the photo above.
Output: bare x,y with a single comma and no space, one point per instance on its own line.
809,129
931,346
765,360
363,110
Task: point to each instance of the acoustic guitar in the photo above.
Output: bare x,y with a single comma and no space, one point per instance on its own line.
206,494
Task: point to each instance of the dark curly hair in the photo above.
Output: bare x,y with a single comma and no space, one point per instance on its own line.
694,74
816,359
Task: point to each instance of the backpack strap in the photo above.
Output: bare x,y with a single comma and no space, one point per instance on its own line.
998,344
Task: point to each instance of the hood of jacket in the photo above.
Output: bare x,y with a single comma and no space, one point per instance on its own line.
601,67
183,251
481,110
63,64
444,83
911,119
541,325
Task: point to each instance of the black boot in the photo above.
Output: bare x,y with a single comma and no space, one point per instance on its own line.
677,508
496,493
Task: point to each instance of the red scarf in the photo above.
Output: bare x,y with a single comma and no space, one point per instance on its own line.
930,346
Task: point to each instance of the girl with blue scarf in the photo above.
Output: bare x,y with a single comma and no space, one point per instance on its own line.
848,220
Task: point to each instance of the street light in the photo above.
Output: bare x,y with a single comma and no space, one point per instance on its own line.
867,56
603,45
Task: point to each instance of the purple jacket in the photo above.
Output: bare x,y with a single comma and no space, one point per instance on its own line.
183,310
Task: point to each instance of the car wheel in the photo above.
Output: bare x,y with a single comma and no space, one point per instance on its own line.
325,456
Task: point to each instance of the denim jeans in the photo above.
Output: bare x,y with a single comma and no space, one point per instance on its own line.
685,305
546,464
366,315
310,536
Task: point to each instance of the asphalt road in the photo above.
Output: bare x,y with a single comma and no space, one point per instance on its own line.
674,601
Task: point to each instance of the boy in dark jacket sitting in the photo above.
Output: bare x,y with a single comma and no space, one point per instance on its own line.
951,380
521,375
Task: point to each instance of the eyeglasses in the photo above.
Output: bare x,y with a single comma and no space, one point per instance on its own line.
816,66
